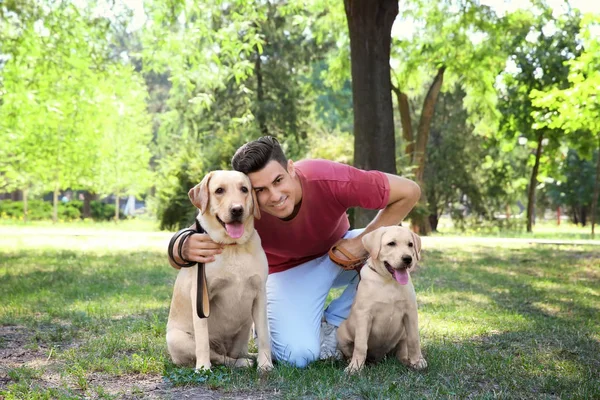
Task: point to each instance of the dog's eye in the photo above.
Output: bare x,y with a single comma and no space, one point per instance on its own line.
244,189
220,191
410,244
391,244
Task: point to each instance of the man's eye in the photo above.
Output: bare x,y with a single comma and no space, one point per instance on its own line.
220,191
257,190
392,244
244,189
278,180
410,244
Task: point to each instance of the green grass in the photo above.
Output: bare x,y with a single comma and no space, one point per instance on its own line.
541,230
509,320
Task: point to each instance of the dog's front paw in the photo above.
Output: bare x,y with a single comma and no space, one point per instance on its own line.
244,363
420,364
265,367
201,367
353,368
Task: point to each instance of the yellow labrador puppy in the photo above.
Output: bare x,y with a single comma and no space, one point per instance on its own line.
383,317
236,282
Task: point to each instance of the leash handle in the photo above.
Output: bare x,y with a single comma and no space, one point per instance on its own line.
202,303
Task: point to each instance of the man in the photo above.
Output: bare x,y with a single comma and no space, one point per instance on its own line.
304,209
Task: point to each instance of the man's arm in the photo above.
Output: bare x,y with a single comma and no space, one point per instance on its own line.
404,194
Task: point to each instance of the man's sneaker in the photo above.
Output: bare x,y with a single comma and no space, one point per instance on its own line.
329,342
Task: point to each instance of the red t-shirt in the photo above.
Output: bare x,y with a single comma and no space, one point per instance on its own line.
328,190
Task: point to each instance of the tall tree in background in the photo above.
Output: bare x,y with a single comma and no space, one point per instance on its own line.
538,63
56,74
370,26
576,109
453,43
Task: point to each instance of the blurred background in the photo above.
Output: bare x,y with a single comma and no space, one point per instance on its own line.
113,110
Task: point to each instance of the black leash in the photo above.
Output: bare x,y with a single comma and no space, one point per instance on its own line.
202,304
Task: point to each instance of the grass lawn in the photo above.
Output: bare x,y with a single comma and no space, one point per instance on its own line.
84,315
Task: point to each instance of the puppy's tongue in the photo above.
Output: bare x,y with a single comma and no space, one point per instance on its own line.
401,276
235,230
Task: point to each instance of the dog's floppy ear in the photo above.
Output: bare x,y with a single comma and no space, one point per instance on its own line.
256,208
416,244
199,194
372,242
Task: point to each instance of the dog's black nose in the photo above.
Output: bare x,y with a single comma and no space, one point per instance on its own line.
237,212
406,259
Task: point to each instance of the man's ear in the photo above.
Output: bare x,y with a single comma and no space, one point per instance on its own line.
199,194
372,242
291,169
417,245
256,208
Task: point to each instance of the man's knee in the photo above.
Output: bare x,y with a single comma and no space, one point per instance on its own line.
297,355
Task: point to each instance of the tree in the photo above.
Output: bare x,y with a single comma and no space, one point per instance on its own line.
454,43
538,63
370,26
56,70
575,108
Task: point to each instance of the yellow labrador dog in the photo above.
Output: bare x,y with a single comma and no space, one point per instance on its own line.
383,317
236,282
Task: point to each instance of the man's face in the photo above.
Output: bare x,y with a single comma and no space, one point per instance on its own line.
276,188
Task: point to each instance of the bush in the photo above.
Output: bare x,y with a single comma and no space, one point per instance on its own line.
103,211
39,210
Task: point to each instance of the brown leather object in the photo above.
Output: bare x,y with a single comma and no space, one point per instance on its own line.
350,262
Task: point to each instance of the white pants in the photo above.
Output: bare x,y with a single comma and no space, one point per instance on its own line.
295,301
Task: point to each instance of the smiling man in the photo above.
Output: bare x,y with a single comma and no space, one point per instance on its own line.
305,208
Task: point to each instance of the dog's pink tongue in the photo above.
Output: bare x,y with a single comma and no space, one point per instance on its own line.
235,230
401,276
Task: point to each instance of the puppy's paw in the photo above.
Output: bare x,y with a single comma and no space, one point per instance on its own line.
353,368
265,367
202,367
244,363
420,364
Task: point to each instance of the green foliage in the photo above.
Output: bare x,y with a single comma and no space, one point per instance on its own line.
60,87
575,187
538,62
217,377
39,210
218,102
101,211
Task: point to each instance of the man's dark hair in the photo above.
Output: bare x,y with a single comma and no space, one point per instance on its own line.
255,155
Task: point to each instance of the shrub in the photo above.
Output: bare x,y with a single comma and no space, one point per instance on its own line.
38,210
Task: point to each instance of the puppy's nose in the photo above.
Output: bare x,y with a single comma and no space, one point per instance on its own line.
236,211
406,259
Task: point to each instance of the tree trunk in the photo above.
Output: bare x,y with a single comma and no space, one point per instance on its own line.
433,221
55,206
116,208
407,131
420,149
425,123
596,190
533,184
260,95
87,206
370,26
25,205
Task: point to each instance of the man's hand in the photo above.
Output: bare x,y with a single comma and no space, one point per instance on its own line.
200,248
353,246
197,248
